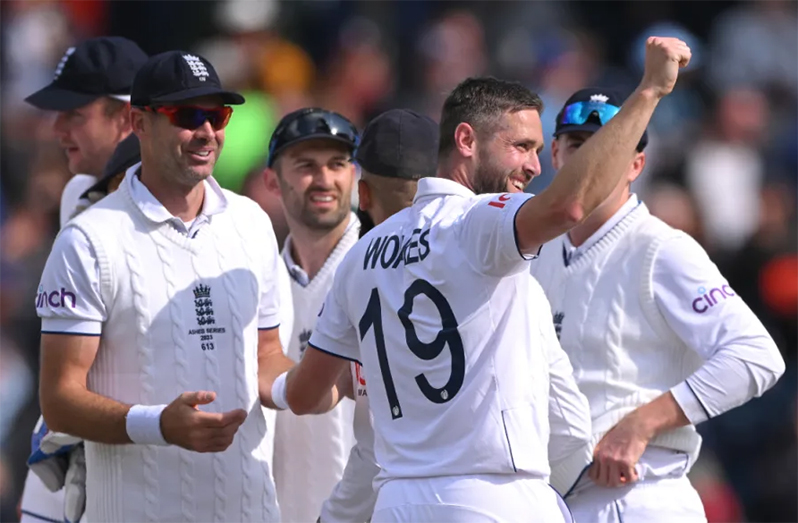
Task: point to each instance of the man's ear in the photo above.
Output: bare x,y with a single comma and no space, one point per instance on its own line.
555,147
465,140
364,195
637,167
136,117
272,184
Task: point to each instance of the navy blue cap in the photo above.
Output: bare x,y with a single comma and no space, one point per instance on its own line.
399,144
597,96
311,123
126,155
176,76
98,67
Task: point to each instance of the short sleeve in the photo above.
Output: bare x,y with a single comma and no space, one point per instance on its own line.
69,300
269,313
488,234
334,332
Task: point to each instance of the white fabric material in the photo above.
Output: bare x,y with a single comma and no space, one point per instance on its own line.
475,401
469,499
279,397
143,424
636,287
70,197
570,450
573,253
656,500
353,498
310,452
199,301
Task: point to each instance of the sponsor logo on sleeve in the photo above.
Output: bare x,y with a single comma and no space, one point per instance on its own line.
55,299
499,202
709,298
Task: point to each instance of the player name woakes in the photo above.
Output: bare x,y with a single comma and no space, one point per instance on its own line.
392,251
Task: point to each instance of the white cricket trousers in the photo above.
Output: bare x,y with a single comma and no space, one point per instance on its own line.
655,500
488,498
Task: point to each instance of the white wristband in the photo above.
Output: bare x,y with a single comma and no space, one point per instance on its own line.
279,396
143,424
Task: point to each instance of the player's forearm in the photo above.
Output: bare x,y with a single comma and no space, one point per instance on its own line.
588,177
316,401
660,415
79,412
269,368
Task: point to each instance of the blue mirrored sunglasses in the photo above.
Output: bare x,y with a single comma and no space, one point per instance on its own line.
578,113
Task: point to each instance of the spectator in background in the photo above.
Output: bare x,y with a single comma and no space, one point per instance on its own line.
724,170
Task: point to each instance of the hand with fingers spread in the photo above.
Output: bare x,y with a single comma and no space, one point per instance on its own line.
616,455
184,425
664,57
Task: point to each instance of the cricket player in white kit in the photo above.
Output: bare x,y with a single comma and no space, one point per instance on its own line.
89,97
658,340
165,291
434,302
310,170
396,149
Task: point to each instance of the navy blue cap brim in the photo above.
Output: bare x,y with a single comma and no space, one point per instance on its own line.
319,136
228,97
52,98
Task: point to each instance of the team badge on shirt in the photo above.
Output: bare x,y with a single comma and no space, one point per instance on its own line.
304,338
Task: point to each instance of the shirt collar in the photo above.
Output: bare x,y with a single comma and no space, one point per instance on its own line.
430,187
619,215
214,201
294,269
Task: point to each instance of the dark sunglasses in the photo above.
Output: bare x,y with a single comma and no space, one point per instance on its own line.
191,117
311,122
578,113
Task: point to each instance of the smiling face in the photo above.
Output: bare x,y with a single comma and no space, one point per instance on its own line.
183,156
89,134
507,158
315,180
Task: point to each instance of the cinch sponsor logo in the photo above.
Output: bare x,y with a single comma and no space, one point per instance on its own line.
55,299
709,299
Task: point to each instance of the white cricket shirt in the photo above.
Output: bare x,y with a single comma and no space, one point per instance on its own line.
434,303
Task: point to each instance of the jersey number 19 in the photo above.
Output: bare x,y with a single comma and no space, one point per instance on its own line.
448,335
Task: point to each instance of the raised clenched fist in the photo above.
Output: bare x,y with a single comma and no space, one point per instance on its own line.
664,57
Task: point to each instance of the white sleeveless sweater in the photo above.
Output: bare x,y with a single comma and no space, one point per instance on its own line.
623,352
182,316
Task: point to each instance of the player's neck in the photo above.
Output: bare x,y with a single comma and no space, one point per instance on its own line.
456,172
603,213
181,201
310,248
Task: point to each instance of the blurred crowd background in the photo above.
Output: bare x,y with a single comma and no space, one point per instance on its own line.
722,160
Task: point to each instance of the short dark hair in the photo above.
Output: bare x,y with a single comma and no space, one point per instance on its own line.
479,102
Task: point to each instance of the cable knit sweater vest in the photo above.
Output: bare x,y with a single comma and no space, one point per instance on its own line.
623,352
181,316
310,452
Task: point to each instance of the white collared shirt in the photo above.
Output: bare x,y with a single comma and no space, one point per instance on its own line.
435,302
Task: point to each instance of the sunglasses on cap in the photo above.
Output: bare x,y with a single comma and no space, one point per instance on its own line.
191,117
311,123
578,113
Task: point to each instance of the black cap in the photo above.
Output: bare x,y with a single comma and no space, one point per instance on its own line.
311,123
98,67
126,155
176,76
598,96
400,144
